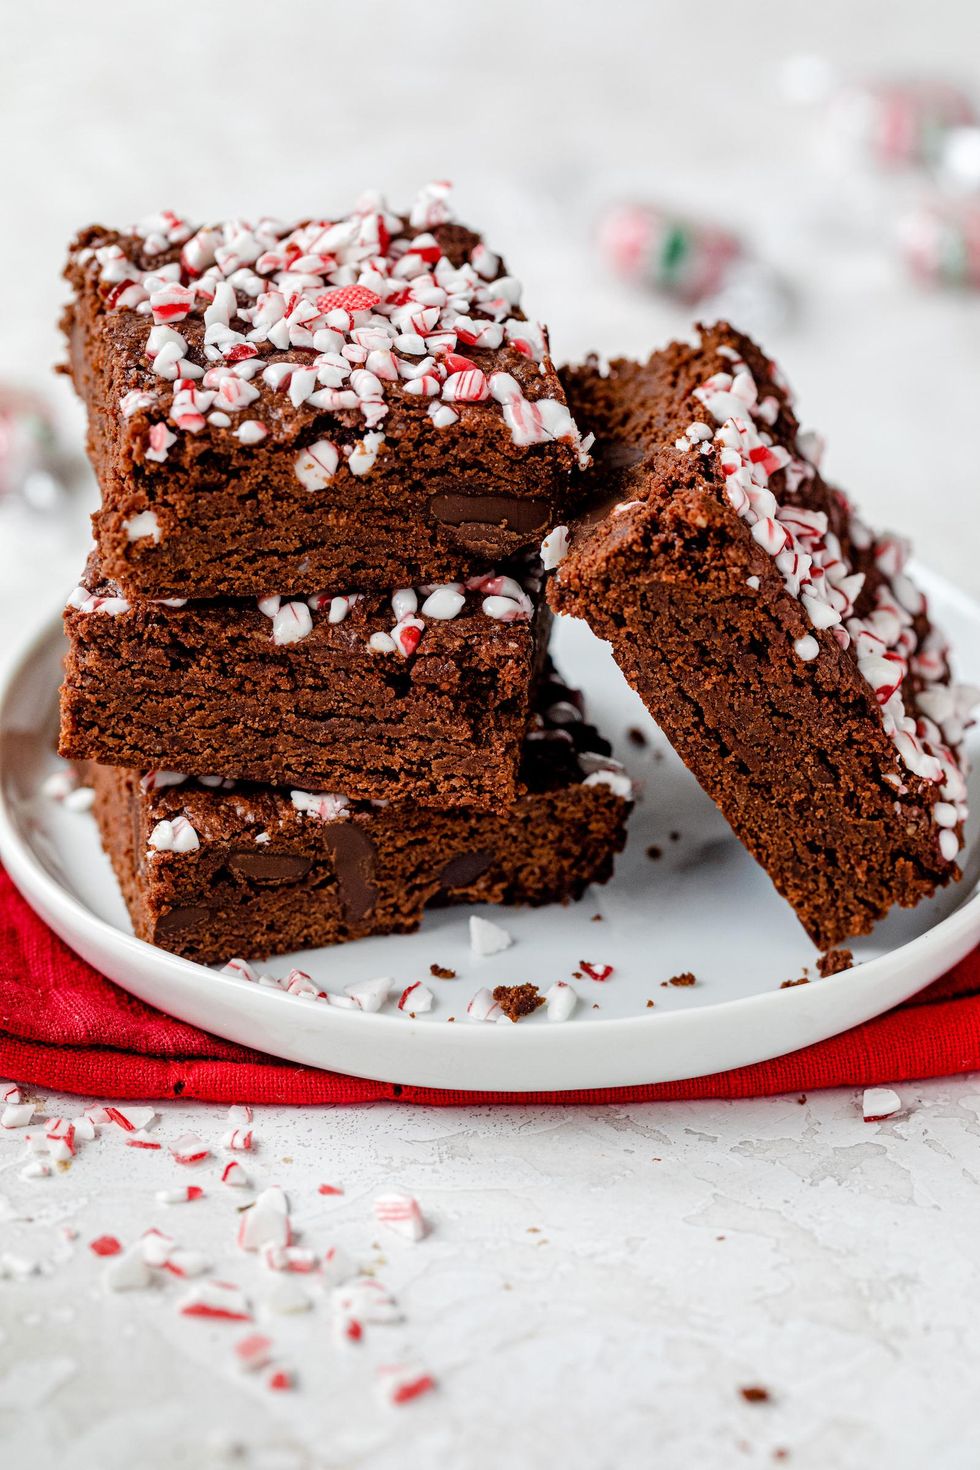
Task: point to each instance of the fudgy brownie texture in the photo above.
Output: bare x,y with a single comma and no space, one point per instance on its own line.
211,872
777,641
416,696
356,402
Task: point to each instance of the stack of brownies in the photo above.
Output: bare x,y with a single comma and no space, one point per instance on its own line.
308,669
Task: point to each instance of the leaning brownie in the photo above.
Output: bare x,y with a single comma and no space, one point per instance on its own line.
778,642
225,869
356,401
420,695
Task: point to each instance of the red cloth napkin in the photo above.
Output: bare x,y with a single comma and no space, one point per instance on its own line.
65,1026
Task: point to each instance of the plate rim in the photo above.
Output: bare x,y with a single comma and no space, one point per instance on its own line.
881,986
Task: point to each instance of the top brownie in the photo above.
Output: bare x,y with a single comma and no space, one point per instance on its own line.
356,401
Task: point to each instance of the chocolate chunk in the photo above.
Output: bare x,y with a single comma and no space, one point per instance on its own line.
464,869
353,855
181,918
481,512
273,867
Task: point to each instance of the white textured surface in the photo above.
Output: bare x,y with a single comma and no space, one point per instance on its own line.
847,1278
596,1287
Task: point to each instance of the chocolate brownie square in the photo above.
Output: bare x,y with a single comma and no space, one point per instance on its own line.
423,694
230,868
780,644
353,401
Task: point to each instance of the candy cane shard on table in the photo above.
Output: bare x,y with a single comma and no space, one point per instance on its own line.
779,643
287,404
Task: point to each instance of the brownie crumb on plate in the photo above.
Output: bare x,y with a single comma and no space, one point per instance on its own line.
682,981
518,1000
834,961
441,972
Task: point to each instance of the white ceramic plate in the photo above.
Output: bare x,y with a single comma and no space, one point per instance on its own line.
703,906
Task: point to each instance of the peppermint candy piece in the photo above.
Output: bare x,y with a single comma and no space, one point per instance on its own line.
189,1149
561,1001
325,806
219,1300
291,623
234,1175
487,938
142,526
129,1119
554,548
316,466
266,1222
879,1103
401,1213
444,603
401,1383
370,995
415,998
128,1272
253,1352
483,1007
174,836
364,454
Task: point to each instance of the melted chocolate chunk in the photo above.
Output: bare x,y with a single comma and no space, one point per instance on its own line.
353,855
464,869
181,918
480,513
269,868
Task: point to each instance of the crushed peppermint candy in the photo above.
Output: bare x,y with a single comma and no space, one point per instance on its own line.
487,938
879,1103
815,570
174,836
415,998
401,1213
560,1000
332,316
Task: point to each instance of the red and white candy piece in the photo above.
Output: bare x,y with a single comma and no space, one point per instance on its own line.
234,1175
487,938
561,1001
175,836
128,1271
280,1380
554,548
266,1222
366,1299
291,623
105,1245
221,1301
595,971
296,1258
401,1383
879,1103
181,1196
130,1119
17,1115
240,1139
415,998
364,454
189,1149
10,1093
238,967
370,995
401,1213
253,1352
483,1007
139,1139
284,1295
316,466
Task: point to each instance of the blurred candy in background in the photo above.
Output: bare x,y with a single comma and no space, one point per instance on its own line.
34,467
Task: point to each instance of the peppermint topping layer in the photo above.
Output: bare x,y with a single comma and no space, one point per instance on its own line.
329,314
927,727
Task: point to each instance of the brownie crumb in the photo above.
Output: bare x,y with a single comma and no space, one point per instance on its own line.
802,1099
597,918
675,837
441,973
517,1000
636,736
684,979
650,1005
834,961
800,980
654,852
755,1394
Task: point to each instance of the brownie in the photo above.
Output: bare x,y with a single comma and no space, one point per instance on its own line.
779,643
418,695
211,871
356,401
